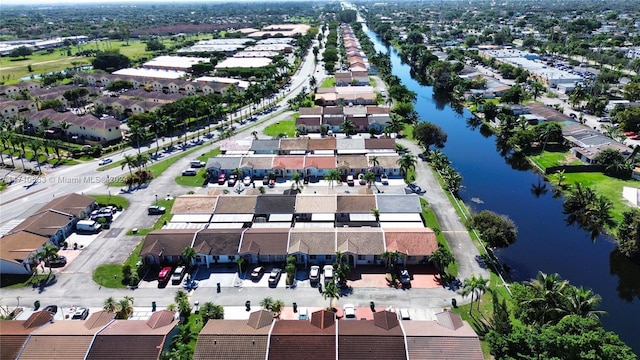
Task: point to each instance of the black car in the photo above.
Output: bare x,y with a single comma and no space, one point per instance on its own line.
59,262
156,210
51,308
265,180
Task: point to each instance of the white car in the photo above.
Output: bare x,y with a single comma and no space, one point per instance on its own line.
189,172
314,273
247,180
384,179
327,271
349,311
105,161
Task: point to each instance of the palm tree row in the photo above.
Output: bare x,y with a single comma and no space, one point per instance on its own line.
442,164
589,210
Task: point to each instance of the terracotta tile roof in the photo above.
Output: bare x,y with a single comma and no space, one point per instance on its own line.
313,204
10,345
312,241
218,241
14,333
444,348
265,241
328,143
377,110
361,241
388,161
309,121
294,144
291,339
194,204
355,203
320,162
167,242
233,339
362,339
98,319
450,320
310,111
236,204
17,246
257,162
385,319
259,319
74,204
68,347
411,242
291,162
323,319
275,204
160,319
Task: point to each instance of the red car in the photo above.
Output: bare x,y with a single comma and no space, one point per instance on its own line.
222,178
630,133
164,274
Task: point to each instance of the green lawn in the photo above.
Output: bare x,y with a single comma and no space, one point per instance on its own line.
110,275
200,178
119,201
554,158
287,127
407,131
328,82
432,222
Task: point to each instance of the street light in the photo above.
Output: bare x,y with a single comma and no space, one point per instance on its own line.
156,199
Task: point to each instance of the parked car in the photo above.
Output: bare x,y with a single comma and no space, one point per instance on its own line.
327,271
91,226
189,172
156,210
314,273
350,180
274,277
176,278
197,164
51,308
164,274
384,179
404,314
265,180
60,261
629,133
361,179
80,313
232,180
222,178
405,278
247,180
349,311
257,273
105,161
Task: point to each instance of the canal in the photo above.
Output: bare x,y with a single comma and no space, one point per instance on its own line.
545,243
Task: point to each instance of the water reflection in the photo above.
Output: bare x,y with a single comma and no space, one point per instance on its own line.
628,274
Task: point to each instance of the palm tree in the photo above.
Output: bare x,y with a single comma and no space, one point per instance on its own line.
110,304
56,144
376,213
548,294
474,286
390,258
370,178
128,161
536,89
490,111
211,311
477,100
142,159
583,302
254,134
189,254
45,124
441,258
348,127
438,159
137,133
331,292
124,308
296,180
35,145
406,162
374,161
48,253
452,179
276,307
331,176
266,303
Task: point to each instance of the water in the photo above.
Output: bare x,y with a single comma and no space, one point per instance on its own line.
545,243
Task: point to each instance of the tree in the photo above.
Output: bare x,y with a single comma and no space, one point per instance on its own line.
48,253
331,292
441,258
189,254
331,176
128,161
370,178
74,96
110,61
124,308
474,286
45,124
296,180
406,162
210,311
490,111
536,89
21,51
429,134
348,127
65,126
110,304
390,258
592,212
498,231
615,163
514,95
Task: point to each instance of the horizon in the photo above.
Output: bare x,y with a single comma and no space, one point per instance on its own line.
27,3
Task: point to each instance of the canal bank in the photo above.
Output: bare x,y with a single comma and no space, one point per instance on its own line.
545,243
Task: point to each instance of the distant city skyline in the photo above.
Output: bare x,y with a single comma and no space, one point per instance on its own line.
71,2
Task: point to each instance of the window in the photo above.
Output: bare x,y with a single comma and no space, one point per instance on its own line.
312,257
411,258
376,257
327,257
232,257
361,257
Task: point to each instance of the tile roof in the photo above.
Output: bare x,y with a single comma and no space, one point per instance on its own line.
309,121
361,241
294,144
257,162
74,204
398,203
323,319
353,203
290,162
265,241
291,339
450,320
310,111
68,347
312,241
315,203
265,144
17,246
275,204
259,319
411,242
98,319
218,241
14,333
352,161
385,319
320,162
45,223
194,204
236,204
444,348
225,162
167,242
328,143
333,110
381,143
233,339
363,339
388,161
